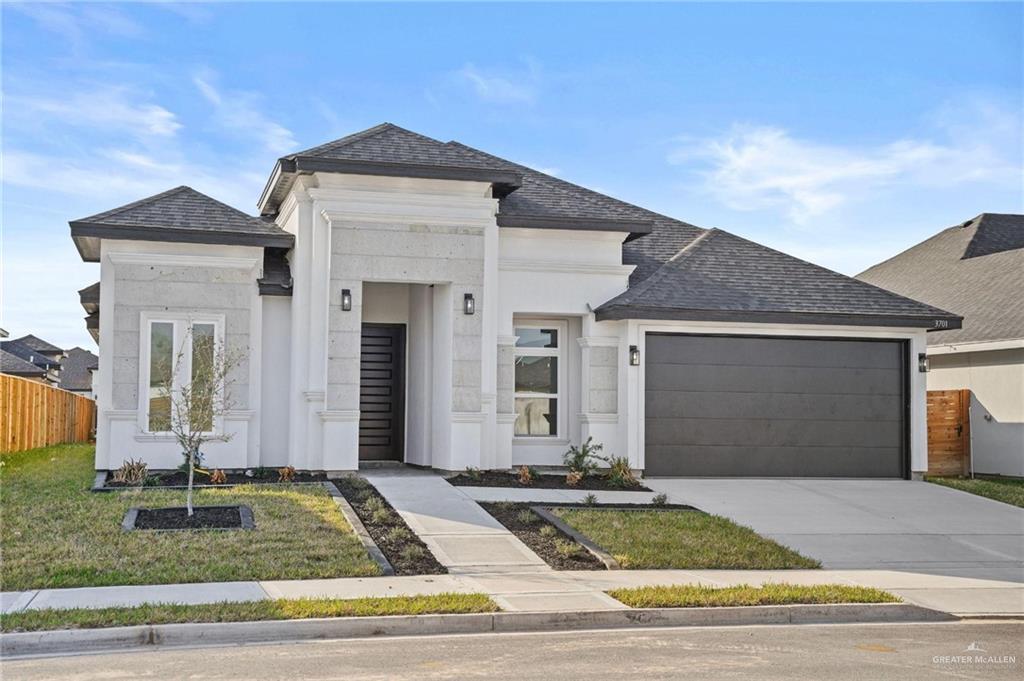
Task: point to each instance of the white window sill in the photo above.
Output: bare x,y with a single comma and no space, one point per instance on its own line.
540,441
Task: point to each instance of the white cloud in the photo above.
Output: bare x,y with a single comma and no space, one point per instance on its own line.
237,112
77,22
105,108
501,89
761,167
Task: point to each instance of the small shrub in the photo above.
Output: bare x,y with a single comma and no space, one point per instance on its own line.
526,475
660,499
398,535
218,477
527,517
582,459
377,510
473,473
151,481
548,531
590,499
573,478
620,474
259,473
286,474
566,548
413,552
131,472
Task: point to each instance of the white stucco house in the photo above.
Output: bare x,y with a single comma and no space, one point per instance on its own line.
409,300
976,269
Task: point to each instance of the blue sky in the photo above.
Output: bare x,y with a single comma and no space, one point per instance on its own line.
840,133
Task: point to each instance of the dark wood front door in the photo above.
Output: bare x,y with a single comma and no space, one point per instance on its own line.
382,393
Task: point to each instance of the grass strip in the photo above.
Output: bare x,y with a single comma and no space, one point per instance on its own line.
696,596
1007,490
681,540
281,609
56,533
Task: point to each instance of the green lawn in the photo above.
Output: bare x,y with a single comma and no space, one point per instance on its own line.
84,618
1006,490
694,596
680,539
56,533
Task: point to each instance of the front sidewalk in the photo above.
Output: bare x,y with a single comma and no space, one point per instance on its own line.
542,591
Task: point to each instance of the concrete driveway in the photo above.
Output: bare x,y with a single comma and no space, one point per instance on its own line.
870,524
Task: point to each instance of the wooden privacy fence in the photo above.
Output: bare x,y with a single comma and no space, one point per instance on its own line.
949,432
35,415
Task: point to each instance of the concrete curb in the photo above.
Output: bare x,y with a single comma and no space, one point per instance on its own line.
70,641
580,538
371,547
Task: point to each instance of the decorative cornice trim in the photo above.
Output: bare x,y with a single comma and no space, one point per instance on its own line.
507,340
599,418
506,418
240,415
119,414
119,258
314,395
527,265
339,416
975,346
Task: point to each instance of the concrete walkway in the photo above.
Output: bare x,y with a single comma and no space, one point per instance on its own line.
541,591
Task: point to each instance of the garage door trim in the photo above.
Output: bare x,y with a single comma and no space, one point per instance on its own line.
905,367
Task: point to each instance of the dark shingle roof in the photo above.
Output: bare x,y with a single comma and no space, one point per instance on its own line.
16,366
720,276
74,369
19,349
38,344
544,195
180,214
975,269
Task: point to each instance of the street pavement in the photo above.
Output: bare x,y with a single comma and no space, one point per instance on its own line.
964,650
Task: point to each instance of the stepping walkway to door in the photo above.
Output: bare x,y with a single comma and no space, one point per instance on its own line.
468,541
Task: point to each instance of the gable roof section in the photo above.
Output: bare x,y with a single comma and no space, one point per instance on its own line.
74,369
38,344
385,149
16,366
36,357
975,269
722,277
181,214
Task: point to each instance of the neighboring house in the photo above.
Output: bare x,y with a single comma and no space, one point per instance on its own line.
404,299
975,269
43,354
76,371
16,366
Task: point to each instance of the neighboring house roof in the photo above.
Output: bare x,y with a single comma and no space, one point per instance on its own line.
38,344
722,277
37,357
180,214
16,366
74,369
975,269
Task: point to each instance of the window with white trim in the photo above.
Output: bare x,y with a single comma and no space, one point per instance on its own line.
539,379
189,343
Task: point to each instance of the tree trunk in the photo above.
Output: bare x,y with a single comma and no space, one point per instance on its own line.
191,476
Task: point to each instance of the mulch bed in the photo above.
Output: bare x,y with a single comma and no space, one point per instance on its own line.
405,551
513,517
503,479
180,479
202,518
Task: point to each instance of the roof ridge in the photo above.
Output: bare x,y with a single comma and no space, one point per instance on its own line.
692,245
347,140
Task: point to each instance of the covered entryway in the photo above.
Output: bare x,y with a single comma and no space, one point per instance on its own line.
760,406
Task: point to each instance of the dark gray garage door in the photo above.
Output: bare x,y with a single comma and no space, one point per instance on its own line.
772,407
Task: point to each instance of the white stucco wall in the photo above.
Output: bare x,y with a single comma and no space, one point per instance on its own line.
147,279
996,381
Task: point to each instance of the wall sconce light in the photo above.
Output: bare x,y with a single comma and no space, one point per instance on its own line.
922,363
468,304
346,299
634,356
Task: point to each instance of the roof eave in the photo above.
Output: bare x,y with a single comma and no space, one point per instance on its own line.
81,232
632,228
932,323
